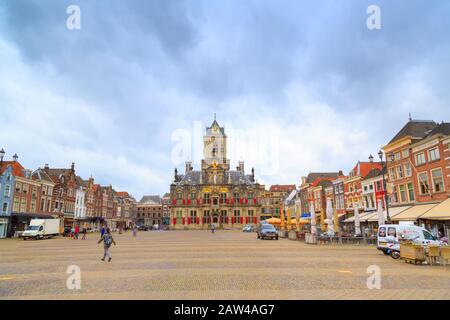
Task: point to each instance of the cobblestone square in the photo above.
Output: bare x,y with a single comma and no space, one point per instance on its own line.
201,265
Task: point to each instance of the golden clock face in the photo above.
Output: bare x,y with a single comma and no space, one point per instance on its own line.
214,164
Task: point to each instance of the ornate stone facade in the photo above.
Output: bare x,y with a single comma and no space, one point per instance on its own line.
214,194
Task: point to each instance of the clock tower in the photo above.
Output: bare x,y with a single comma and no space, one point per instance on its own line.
215,148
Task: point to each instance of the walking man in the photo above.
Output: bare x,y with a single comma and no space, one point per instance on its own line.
213,226
108,240
84,234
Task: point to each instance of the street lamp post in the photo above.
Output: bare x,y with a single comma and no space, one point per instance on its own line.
380,154
2,154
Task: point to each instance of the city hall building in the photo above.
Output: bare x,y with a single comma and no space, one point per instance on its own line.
214,194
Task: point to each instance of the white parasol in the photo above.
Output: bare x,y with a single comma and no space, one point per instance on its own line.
313,218
357,222
380,213
330,217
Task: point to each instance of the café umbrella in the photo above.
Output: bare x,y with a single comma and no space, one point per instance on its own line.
330,217
380,213
313,218
357,222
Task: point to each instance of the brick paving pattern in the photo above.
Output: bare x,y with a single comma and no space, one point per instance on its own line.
200,265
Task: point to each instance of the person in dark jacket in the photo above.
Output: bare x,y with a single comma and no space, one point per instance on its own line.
108,240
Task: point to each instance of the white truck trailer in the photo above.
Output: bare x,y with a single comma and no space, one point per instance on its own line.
42,228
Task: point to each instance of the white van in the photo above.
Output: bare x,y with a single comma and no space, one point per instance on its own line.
40,228
390,235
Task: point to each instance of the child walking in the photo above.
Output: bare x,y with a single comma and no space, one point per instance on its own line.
108,240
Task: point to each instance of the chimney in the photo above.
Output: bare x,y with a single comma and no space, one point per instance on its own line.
46,167
303,180
253,174
241,166
340,173
73,167
15,157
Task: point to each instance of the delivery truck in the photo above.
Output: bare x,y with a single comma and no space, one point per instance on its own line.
42,228
390,236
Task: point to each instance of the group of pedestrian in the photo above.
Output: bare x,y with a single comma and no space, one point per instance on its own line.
75,231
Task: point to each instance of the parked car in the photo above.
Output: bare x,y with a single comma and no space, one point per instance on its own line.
266,231
248,228
142,228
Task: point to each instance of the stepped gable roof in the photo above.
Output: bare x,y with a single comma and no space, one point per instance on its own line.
150,200
313,176
282,187
193,178
17,169
415,128
443,128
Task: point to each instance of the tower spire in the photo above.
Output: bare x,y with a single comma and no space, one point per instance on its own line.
214,116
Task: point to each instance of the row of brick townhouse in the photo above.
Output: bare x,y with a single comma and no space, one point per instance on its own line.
58,193
415,166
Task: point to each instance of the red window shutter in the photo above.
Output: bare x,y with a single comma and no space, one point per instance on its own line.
228,201
174,201
246,201
197,201
182,220
247,219
232,220
254,220
232,201
174,221
242,220
226,219
198,220
189,220
254,200
188,201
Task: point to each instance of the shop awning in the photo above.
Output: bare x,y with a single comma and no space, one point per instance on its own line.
439,212
394,211
414,212
362,216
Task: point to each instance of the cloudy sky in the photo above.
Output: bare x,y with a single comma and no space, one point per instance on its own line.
299,85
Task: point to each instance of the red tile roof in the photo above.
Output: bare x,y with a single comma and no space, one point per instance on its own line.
282,187
122,194
16,168
365,168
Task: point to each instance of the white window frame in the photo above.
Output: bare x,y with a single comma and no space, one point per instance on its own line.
442,178
419,181
422,157
437,154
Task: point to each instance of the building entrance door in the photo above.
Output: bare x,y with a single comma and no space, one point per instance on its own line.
215,216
